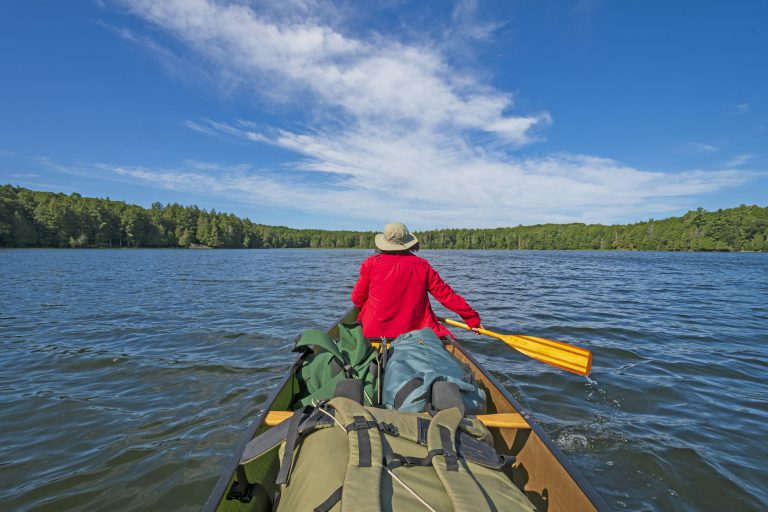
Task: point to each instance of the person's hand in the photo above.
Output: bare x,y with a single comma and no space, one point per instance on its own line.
479,326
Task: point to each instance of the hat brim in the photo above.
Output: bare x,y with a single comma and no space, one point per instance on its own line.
385,245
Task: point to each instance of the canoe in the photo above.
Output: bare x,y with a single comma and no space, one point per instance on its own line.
541,470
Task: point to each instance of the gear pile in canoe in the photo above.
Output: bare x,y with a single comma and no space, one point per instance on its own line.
413,423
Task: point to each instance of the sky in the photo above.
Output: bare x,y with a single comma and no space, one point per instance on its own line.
348,115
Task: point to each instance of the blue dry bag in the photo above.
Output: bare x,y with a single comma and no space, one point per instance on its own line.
417,361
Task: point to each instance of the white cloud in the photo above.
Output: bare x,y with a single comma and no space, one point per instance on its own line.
440,187
740,160
698,148
391,131
380,79
198,127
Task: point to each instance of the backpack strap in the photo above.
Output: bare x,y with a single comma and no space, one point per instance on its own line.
301,422
462,488
383,353
276,435
362,481
291,438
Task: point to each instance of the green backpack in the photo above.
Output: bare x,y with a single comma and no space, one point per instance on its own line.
349,357
367,459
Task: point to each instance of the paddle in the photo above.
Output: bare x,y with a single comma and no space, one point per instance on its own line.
556,353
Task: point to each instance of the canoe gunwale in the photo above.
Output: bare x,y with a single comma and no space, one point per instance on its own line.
222,485
572,471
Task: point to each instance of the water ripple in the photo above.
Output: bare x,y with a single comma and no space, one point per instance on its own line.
129,376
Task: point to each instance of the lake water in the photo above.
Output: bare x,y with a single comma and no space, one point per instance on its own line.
128,376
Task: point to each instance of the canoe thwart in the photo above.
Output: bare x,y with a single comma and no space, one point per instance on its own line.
498,420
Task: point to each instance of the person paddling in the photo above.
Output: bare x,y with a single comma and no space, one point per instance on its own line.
393,287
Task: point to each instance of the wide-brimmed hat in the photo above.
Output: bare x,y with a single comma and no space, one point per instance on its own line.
395,237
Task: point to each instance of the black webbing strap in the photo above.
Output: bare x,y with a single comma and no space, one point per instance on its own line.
406,390
244,491
422,427
382,366
335,367
407,461
475,450
290,444
364,447
242,481
361,425
451,460
384,353
330,501
468,447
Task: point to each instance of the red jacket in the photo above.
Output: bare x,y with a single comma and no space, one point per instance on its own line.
391,293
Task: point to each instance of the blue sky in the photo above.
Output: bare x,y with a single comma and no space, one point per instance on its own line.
351,114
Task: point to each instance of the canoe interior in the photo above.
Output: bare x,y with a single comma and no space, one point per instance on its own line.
549,480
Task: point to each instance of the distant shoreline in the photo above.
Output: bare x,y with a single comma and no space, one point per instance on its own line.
48,220
371,250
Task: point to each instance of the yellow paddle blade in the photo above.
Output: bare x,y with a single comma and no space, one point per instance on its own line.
556,353
498,420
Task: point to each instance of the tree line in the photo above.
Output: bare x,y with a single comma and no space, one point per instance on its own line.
44,219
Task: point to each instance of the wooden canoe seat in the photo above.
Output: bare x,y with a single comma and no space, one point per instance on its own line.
499,420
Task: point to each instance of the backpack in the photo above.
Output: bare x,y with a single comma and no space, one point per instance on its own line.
422,376
345,457
349,357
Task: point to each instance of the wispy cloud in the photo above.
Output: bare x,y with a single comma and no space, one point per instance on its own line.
743,108
381,80
391,129
467,25
740,160
52,165
698,148
587,189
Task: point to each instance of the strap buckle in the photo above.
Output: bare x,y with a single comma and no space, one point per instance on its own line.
389,428
360,423
242,493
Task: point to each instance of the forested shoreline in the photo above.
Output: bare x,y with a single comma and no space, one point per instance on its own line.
44,219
